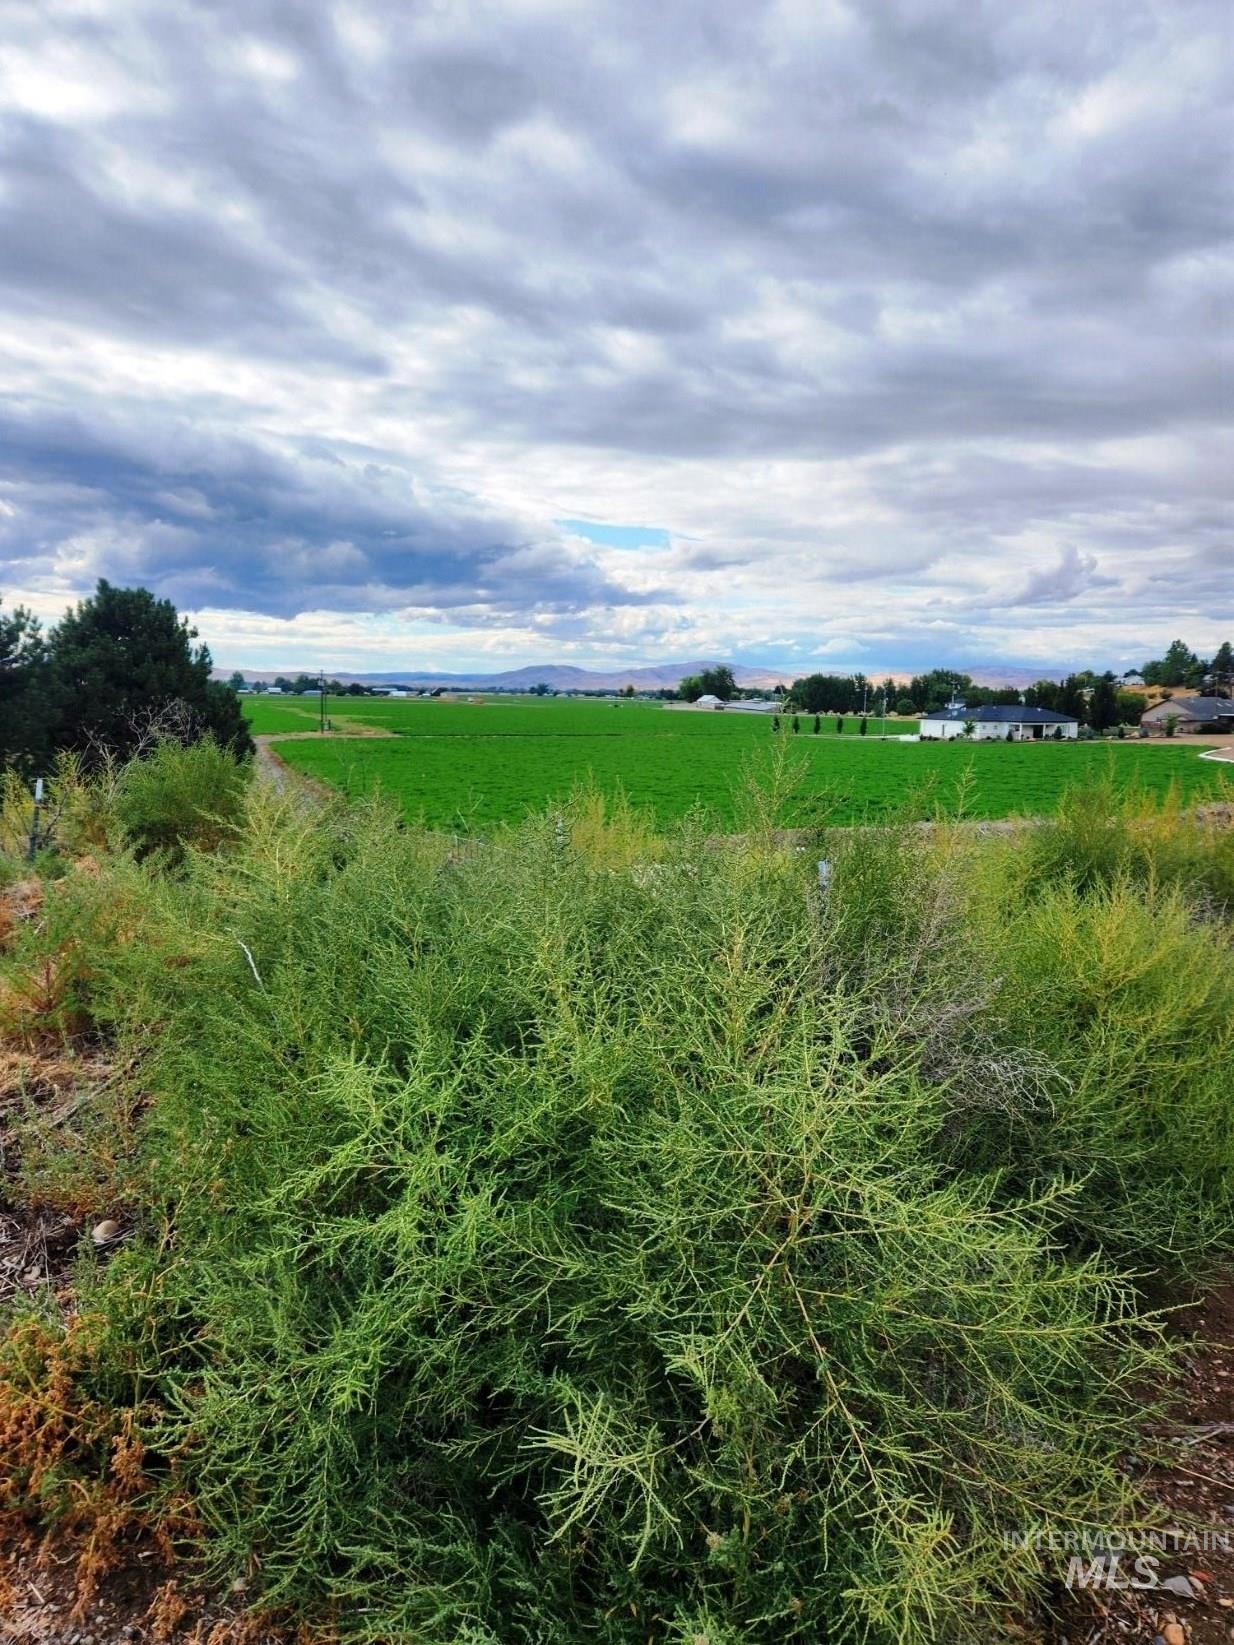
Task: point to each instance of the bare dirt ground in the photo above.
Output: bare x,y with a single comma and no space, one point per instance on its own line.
1186,1468
341,726
140,1602
1219,811
38,1242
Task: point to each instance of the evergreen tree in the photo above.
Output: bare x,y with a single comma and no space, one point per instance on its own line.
1103,704
122,657
1221,670
1044,694
24,704
1179,666
1071,698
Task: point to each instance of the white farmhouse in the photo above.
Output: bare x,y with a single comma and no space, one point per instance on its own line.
1015,724
708,701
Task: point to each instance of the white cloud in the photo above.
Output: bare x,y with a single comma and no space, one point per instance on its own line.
904,322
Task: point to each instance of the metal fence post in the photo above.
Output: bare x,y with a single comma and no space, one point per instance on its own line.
34,824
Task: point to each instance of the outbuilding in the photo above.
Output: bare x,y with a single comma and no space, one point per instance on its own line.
708,701
1013,723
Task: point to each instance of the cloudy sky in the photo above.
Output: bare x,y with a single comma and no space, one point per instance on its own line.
458,335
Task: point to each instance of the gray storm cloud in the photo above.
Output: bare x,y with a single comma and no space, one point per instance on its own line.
340,307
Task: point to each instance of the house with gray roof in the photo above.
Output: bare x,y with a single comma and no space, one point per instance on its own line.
1190,714
998,722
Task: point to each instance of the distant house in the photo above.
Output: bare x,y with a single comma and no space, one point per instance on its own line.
1191,714
708,701
996,722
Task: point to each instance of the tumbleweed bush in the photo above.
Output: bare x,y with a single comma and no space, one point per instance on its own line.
1069,993
560,1240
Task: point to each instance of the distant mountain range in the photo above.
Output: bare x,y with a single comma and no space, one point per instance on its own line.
566,677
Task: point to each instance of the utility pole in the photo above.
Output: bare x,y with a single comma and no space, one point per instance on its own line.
322,683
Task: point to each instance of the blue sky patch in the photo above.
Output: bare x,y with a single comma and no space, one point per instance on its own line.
617,536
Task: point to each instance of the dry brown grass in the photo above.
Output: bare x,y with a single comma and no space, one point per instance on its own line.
74,1475
18,903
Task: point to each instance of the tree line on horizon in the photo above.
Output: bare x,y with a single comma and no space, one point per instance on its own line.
294,685
1098,700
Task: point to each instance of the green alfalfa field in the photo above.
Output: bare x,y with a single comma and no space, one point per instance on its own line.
472,765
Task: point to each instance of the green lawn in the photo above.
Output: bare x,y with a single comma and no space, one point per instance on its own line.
472,766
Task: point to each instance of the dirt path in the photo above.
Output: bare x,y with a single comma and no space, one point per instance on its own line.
269,765
281,775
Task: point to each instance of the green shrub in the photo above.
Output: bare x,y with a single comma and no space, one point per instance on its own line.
77,815
582,1236
1129,1002
1068,993
564,1247
181,795
1101,834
